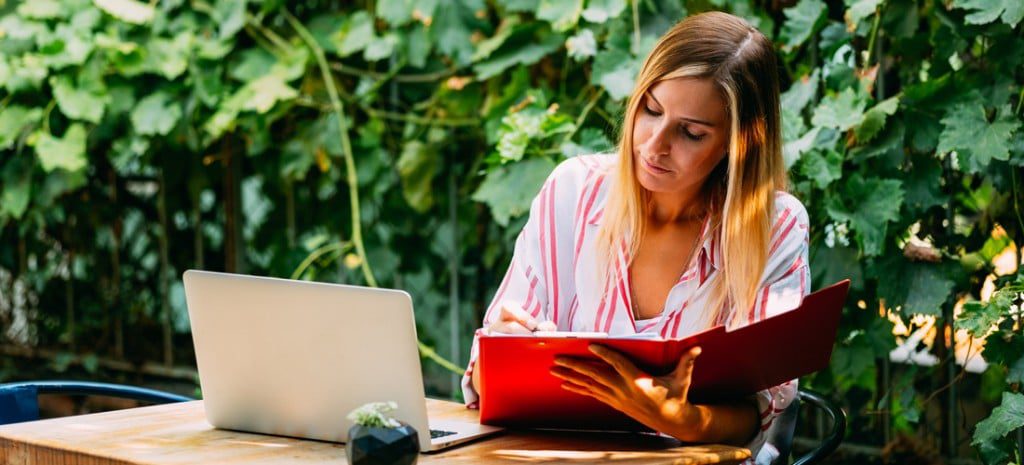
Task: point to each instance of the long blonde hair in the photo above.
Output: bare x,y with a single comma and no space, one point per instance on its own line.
742,64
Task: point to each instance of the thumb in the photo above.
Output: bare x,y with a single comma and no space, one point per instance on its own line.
683,373
512,311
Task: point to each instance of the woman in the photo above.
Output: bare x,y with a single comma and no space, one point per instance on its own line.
686,227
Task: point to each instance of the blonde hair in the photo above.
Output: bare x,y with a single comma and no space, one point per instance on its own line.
741,62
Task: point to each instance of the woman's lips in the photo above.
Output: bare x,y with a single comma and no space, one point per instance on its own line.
652,167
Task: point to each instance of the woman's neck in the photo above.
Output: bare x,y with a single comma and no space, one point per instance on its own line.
677,207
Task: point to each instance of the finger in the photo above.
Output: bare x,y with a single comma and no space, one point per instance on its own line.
599,371
512,311
547,326
619,362
510,327
684,371
586,390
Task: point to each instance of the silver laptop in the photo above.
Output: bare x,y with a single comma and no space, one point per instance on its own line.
293,358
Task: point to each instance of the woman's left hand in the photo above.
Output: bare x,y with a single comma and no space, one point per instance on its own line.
660,402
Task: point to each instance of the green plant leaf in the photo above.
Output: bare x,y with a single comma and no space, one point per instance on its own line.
822,167
129,11
874,119
986,11
16,188
230,16
266,91
802,21
858,10
400,12
600,11
66,152
169,57
13,120
380,47
1008,416
78,103
506,29
155,114
919,288
42,9
869,205
526,55
417,167
801,92
592,140
508,190
517,129
615,70
841,111
355,34
562,14
966,129
452,30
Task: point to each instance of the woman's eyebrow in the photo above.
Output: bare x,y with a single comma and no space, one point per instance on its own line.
682,118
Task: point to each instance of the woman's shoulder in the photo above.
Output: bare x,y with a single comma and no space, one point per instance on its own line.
788,206
790,216
584,165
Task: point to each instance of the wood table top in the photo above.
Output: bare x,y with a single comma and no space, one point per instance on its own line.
179,433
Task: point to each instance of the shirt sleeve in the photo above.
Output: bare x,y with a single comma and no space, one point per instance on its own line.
785,283
526,281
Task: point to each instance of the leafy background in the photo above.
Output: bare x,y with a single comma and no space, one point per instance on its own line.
398,143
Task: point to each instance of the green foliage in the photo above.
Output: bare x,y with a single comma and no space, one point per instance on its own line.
401,143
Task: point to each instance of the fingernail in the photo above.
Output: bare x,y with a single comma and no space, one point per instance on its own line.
696,351
531,324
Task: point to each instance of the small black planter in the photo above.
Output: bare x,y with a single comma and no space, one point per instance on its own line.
382,446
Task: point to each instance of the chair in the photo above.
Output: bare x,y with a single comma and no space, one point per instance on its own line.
782,434
19,401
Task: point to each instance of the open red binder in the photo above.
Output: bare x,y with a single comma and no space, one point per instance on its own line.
517,389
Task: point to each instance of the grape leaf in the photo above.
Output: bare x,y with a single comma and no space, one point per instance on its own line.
1008,416
155,114
802,21
966,129
508,190
841,111
986,11
66,152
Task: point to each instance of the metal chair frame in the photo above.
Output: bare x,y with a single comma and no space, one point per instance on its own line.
19,400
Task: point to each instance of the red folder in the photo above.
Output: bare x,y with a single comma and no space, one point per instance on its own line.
517,389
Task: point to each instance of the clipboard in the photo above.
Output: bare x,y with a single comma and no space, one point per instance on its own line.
517,389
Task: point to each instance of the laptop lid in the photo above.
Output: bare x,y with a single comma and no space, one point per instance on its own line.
293,358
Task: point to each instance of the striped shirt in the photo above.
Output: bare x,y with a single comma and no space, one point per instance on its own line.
553,275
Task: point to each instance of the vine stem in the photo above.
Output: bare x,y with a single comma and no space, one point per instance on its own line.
1016,202
316,254
350,166
346,144
874,34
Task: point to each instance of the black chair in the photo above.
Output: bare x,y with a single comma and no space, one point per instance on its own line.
19,401
782,434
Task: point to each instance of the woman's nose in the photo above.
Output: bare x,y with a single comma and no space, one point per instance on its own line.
659,142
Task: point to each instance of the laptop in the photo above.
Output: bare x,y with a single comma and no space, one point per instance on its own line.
293,358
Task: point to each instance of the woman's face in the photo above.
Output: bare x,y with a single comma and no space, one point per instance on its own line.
680,134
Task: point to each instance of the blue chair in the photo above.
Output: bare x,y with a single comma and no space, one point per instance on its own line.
19,401
782,435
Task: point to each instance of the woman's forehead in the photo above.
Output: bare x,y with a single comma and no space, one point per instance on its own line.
691,98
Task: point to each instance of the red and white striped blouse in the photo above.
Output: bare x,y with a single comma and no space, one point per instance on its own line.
553,275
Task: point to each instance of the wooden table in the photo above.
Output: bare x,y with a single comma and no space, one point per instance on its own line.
179,433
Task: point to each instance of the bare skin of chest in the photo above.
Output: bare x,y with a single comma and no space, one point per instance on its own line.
660,263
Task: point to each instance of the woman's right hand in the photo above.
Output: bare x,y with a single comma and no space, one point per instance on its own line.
513,319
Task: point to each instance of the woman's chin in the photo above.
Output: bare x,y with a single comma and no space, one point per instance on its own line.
655,183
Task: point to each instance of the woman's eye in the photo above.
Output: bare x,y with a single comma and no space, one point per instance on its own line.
690,135
651,112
